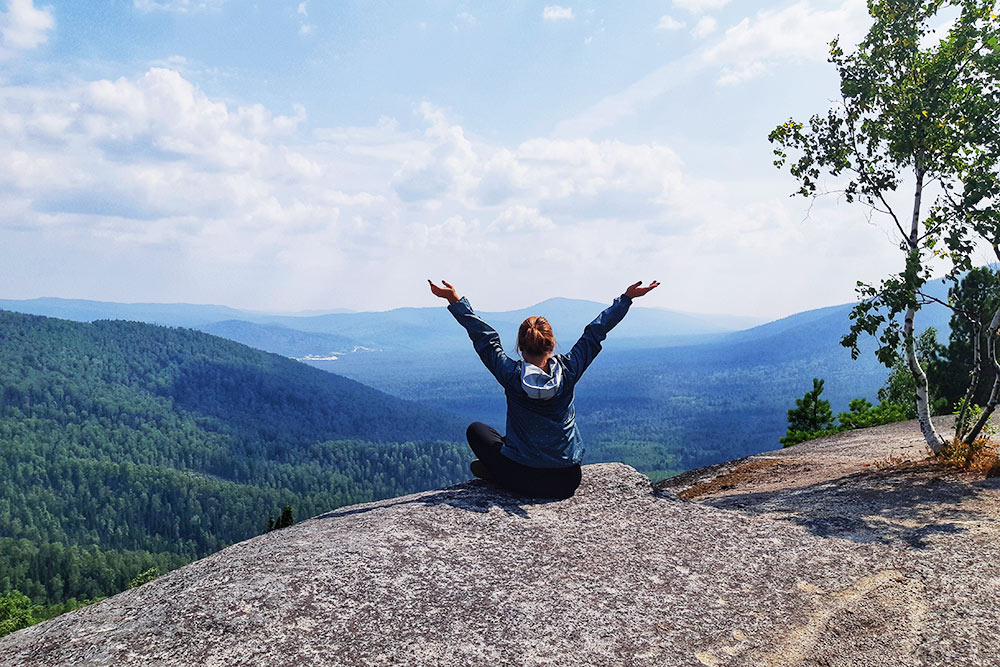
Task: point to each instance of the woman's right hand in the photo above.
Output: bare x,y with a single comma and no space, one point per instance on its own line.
447,292
637,290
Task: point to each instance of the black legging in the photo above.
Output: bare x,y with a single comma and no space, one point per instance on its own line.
521,479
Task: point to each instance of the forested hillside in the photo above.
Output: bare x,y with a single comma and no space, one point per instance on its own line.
665,409
125,446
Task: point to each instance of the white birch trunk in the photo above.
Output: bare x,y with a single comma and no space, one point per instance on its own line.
934,441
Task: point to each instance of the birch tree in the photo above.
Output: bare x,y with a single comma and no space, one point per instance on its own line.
913,138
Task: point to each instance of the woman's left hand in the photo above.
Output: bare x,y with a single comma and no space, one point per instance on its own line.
637,290
447,292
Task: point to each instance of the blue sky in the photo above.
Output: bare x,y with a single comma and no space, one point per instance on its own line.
299,155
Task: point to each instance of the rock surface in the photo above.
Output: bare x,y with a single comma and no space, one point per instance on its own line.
842,551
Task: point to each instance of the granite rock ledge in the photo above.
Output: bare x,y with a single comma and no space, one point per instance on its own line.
823,558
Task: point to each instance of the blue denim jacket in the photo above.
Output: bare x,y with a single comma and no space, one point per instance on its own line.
541,433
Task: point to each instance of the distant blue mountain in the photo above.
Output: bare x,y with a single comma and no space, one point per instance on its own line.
822,321
169,314
433,328
413,329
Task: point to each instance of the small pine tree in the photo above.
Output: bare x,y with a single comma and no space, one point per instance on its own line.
144,577
811,413
286,519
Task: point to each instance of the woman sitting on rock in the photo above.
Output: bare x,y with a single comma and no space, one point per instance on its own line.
541,453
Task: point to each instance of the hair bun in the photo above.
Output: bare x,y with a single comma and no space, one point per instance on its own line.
535,336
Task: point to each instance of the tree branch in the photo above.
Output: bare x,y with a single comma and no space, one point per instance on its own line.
863,173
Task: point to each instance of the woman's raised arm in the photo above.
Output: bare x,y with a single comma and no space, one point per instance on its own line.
485,340
589,345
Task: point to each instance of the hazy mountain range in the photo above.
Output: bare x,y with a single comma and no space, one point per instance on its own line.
671,390
391,330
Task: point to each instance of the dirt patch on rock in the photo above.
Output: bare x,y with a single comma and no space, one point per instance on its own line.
750,473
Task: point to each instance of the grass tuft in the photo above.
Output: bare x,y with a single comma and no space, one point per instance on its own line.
980,456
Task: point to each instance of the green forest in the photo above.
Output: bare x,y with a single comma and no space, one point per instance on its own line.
128,446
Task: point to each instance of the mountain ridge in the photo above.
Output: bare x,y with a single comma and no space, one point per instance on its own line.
359,326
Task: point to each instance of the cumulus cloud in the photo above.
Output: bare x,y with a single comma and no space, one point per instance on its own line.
557,13
668,22
164,111
24,26
152,162
447,166
463,20
178,6
700,6
562,181
521,218
150,176
797,32
704,27
153,148
302,13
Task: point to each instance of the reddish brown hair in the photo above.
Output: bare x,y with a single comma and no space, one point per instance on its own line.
535,336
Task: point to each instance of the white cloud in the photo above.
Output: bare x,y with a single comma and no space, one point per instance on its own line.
557,13
24,26
700,6
447,166
704,27
178,6
668,22
737,73
305,29
749,49
164,112
564,180
621,105
797,32
462,20
150,149
519,218
155,167
150,176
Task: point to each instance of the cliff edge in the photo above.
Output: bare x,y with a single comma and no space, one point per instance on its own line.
843,551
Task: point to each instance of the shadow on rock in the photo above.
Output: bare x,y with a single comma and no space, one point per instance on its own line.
474,496
906,505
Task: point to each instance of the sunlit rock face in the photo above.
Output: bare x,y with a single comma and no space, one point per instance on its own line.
622,573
